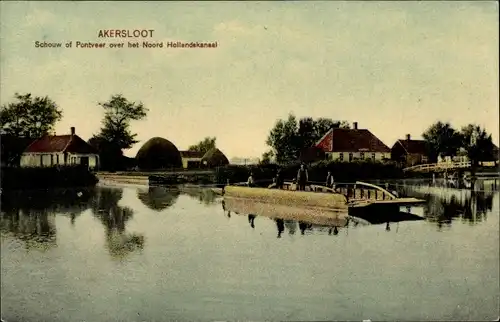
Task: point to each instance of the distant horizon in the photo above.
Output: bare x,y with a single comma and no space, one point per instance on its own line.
393,67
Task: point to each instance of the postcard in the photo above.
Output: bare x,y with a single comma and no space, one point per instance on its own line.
250,161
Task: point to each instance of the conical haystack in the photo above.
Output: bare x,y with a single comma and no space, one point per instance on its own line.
158,153
214,158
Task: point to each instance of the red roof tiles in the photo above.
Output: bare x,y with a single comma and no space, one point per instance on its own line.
351,140
60,143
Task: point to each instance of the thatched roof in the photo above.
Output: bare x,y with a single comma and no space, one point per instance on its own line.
214,157
158,153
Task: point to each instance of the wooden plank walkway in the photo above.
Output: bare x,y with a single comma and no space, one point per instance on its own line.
396,202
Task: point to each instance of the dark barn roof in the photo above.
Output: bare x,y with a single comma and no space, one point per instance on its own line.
351,140
413,146
192,154
60,143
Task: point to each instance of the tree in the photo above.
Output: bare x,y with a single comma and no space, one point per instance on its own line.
29,117
110,154
118,113
115,134
267,157
442,139
478,143
288,138
283,139
204,146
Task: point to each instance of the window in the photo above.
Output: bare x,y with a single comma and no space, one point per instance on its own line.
341,156
362,155
373,156
57,158
350,157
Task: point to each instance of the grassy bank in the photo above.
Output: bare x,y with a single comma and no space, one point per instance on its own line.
13,178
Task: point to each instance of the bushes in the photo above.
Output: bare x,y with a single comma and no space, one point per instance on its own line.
49,177
262,174
342,171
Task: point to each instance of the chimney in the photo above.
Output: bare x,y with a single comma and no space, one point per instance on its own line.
355,125
408,137
72,130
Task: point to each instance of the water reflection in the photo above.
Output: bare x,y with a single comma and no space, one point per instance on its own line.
251,220
114,218
288,218
291,225
35,228
445,205
203,195
29,216
158,198
281,226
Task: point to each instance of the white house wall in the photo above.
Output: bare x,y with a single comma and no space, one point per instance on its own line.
186,160
379,156
50,159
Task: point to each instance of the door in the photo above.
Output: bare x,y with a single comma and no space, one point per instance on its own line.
84,161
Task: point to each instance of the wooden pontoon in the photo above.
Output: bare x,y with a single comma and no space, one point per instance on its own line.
313,215
360,199
332,201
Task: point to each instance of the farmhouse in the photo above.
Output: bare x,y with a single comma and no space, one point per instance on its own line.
50,150
409,152
352,144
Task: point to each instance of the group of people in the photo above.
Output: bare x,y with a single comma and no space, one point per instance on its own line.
301,179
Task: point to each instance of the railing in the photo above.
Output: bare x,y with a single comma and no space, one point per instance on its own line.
428,167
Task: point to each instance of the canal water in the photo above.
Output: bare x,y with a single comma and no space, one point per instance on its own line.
128,253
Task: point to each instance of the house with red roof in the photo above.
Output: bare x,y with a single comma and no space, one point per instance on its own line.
352,144
51,150
409,152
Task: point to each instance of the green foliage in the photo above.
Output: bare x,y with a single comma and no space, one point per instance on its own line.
110,155
204,146
267,157
115,134
48,177
118,113
442,139
342,171
288,137
29,117
262,174
283,139
477,143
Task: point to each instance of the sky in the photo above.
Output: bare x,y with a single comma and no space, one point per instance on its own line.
393,67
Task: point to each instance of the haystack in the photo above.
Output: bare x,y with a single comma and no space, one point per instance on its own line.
214,158
158,153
